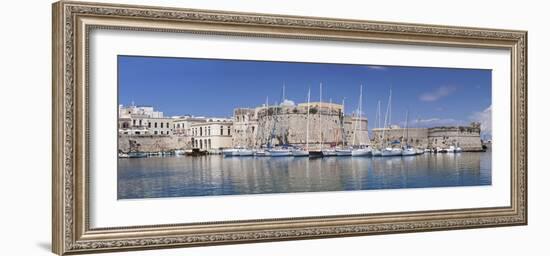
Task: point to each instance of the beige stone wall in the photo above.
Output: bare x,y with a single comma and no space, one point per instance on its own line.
468,138
292,128
417,137
150,143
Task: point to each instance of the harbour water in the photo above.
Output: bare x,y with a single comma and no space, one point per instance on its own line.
183,176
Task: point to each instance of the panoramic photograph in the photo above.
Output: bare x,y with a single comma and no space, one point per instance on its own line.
211,127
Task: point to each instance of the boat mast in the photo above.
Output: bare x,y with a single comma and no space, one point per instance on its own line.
320,106
358,117
406,131
388,109
307,122
342,132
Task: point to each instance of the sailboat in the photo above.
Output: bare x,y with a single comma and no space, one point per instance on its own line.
327,151
389,150
376,151
361,151
261,151
304,152
278,151
343,151
408,150
319,153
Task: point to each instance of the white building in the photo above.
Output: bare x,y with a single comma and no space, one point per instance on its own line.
143,120
213,134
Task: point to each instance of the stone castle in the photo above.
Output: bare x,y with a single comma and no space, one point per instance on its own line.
147,130
291,124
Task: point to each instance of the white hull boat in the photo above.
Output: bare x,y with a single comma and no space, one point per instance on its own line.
409,152
230,152
376,152
260,153
246,152
329,152
299,152
343,152
361,152
392,152
279,152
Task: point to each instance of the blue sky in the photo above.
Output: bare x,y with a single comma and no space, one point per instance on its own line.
208,87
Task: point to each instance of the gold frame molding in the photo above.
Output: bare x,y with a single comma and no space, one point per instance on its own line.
72,22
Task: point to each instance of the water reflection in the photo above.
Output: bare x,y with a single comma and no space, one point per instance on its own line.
216,175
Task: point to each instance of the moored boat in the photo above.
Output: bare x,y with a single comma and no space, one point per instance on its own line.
245,152
230,152
277,152
361,152
329,152
343,151
391,152
300,152
409,151
137,154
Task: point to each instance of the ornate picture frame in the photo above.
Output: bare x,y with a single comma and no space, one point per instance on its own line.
72,23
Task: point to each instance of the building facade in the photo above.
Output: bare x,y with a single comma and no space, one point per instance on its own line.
142,120
213,134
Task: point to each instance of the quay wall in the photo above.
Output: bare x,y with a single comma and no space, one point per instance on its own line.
152,143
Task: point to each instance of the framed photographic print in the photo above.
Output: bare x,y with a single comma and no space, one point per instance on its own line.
179,127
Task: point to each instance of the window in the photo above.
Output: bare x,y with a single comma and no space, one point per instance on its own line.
200,131
209,144
228,131
200,143
167,132
167,125
156,132
155,125
252,129
138,133
149,125
221,130
134,122
161,132
139,122
161,125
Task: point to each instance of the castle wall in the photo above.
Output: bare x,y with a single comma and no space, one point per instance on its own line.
289,126
468,138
